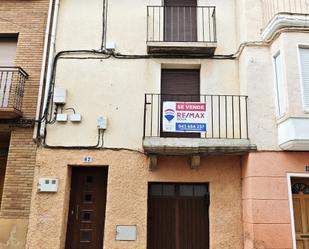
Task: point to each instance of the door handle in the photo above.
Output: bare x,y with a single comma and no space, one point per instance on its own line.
306,236
76,214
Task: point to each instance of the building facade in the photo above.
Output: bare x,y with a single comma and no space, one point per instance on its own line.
22,32
111,172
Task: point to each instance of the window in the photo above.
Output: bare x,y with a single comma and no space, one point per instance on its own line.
279,86
304,65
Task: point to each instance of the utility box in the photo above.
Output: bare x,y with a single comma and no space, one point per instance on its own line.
126,232
48,184
102,123
75,117
62,117
60,95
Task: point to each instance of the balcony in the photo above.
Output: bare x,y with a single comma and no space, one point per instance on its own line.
282,14
181,29
12,82
226,126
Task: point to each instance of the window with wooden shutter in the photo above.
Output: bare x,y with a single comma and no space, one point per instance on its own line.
304,64
279,86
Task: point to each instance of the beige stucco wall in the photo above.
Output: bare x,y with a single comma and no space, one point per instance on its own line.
127,198
120,86
80,24
255,77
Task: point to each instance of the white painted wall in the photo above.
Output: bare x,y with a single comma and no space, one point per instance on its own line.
116,88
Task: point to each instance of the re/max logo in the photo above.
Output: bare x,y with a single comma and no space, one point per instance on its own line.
184,115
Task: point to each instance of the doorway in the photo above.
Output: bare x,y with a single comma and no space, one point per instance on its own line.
180,23
86,216
300,199
180,85
4,149
178,216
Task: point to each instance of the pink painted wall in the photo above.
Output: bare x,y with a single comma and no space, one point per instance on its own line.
266,213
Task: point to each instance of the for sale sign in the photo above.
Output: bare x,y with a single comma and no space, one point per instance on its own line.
184,117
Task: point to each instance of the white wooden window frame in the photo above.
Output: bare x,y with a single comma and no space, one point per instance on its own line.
302,46
279,113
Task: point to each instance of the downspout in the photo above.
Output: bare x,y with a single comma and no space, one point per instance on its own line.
50,61
43,70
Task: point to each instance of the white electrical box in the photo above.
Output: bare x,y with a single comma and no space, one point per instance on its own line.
61,117
75,117
102,123
126,232
60,95
110,46
48,184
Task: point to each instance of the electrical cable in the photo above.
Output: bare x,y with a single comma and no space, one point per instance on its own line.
67,109
96,146
102,139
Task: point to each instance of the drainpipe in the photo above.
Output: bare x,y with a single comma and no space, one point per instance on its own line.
53,19
43,68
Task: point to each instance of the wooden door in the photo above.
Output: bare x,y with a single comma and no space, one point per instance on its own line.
300,193
179,85
180,20
178,216
87,208
2,175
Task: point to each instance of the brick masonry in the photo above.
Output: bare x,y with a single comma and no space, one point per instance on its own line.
27,18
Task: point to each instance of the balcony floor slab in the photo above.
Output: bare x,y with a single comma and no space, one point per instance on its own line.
9,113
207,48
191,146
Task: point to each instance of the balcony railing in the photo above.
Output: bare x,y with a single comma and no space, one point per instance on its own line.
226,115
181,24
12,82
274,7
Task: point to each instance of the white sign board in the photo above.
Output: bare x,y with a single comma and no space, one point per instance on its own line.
184,117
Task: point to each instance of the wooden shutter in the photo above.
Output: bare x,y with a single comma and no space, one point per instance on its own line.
304,61
180,85
180,20
7,51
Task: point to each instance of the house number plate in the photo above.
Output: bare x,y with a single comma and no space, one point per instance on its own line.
88,159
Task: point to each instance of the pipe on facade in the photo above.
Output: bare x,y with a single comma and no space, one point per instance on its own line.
51,52
43,68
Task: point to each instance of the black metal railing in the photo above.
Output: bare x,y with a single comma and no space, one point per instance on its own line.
181,24
12,82
274,7
226,115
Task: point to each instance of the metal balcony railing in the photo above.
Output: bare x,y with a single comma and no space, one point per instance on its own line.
227,115
181,24
274,7
12,82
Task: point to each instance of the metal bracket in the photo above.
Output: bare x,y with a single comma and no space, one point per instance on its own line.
153,161
195,162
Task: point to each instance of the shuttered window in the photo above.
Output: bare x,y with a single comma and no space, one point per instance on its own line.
7,51
304,63
279,87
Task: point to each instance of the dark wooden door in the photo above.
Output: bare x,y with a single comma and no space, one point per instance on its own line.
178,216
179,85
87,208
2,175
180,20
